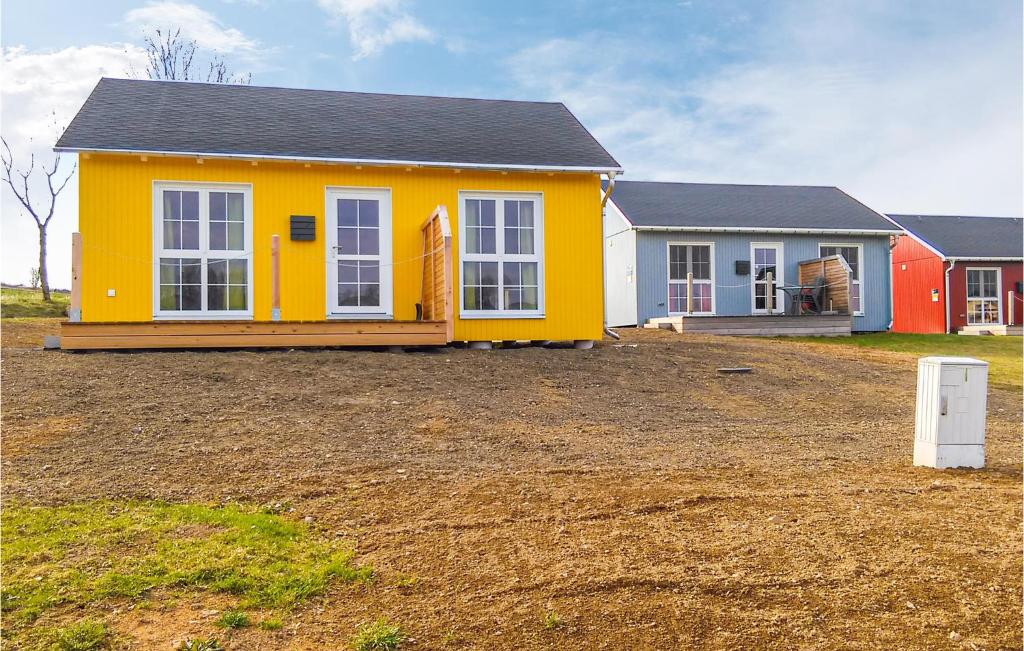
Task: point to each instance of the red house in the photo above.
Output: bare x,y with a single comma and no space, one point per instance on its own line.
958,274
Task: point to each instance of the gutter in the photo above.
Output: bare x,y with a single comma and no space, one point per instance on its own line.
984,259
347,161
751,229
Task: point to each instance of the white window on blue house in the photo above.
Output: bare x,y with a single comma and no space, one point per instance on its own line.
686,259
501,250
854,255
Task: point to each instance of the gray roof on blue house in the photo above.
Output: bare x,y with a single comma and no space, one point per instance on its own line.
254,121
967,237
747,207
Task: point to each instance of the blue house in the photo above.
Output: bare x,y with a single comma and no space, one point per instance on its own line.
732,239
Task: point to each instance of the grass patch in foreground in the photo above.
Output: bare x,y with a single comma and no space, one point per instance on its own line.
1003,354
380,635
85,635
29,303
84,554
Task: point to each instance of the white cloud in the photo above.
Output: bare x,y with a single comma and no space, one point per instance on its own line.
39,89
195,23
926,123
374,25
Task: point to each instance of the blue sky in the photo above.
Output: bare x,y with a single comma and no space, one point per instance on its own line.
909,106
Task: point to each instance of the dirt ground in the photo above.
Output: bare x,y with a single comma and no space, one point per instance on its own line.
648,500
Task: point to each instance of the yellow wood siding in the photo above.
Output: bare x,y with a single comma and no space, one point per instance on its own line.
116,222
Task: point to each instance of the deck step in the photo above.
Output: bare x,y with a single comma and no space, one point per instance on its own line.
832,325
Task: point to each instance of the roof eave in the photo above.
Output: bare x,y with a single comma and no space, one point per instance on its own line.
982,258
755,229
349,161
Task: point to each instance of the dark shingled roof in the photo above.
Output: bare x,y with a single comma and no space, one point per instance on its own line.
754,207
226,119
967,237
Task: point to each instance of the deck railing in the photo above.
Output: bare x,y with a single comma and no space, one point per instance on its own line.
437,291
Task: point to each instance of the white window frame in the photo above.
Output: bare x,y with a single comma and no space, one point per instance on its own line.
203,252
998,296
386,270
779,303
669,281
860,269
499,255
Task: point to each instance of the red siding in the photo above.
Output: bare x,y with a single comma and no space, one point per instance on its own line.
916,271
1012,273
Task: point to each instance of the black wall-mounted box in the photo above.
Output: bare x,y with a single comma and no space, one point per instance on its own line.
303,228
743,267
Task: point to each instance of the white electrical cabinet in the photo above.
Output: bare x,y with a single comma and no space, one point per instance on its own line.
951,397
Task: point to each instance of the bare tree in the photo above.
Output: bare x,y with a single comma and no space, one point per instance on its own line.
169,56
40,209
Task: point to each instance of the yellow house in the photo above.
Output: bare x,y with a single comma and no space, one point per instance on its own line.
224,215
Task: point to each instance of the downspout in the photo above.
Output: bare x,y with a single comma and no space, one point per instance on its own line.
892,280
604,201
952,263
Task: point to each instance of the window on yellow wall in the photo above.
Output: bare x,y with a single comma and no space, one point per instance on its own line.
501,252
203,250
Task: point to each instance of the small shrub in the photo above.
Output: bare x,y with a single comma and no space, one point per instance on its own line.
272,624
553,621
407,581
200,644
85,635
380,635
233,619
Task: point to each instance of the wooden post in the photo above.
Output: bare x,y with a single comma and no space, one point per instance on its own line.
689,292
769,292
75,311
1009,307
275,257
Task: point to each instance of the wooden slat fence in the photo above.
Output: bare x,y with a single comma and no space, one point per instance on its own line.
837,276
437,290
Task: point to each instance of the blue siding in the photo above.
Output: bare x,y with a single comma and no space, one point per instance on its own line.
732,292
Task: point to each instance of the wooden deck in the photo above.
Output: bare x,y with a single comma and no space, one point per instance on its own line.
436,328
249,334
816,325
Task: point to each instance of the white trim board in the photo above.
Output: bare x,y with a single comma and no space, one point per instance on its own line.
347,161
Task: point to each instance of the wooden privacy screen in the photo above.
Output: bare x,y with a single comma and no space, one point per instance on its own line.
437,301
837,276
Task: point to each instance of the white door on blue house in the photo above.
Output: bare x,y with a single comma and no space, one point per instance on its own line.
765,259
359,265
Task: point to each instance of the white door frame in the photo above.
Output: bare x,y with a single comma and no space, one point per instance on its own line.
999,295
780,267
386,309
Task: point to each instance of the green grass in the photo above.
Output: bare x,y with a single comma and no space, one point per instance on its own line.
272,624
86,635
1002,353
553,621
199,644
83,555
20,303
233,619
380,635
